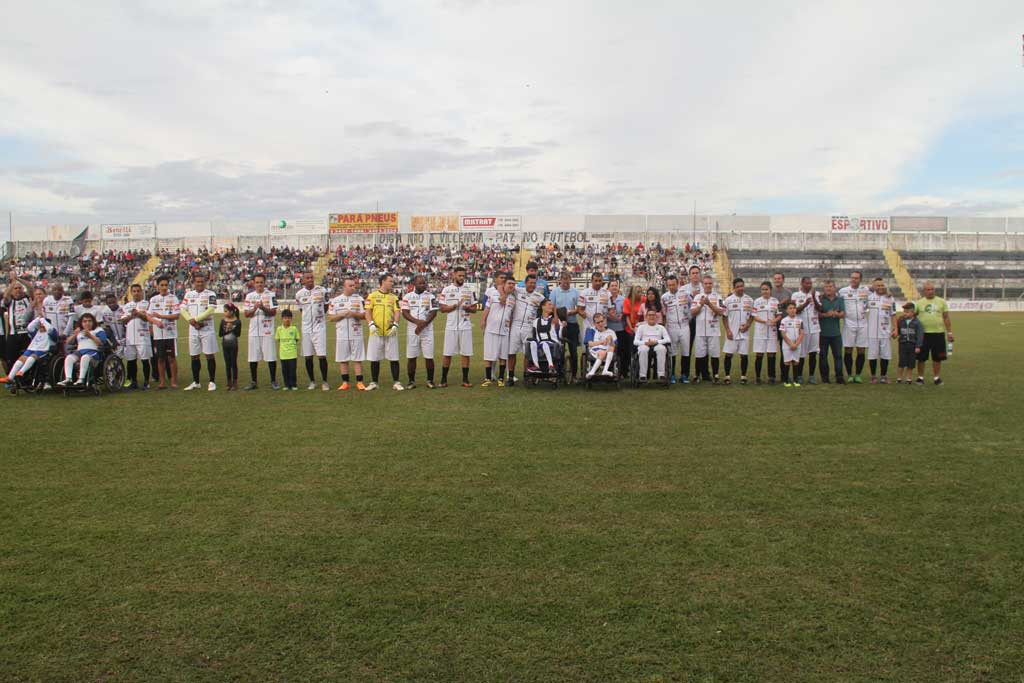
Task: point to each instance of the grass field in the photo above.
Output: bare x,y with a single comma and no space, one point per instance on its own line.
705,534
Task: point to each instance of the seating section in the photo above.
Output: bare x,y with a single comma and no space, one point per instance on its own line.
756,266
969,275
111,271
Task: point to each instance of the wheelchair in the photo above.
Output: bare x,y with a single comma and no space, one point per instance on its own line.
552,376
652,368
107,372
37,378
599,378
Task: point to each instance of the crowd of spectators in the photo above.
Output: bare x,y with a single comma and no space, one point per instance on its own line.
231,271
109,271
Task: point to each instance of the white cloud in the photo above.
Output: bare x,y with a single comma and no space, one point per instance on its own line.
223,109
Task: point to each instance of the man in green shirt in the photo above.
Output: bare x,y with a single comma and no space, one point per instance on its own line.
933,313
831,310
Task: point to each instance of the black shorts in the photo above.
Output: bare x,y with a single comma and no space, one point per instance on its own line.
14,346
164,348
934,345
908,357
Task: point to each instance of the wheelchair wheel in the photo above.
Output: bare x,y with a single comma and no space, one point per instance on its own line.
113,373
56,369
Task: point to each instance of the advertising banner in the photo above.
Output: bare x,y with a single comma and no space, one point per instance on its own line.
866,224
307,226
491,222
449,223
128,231
364,223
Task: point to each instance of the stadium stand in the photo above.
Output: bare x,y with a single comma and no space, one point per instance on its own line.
755,265
969,275
110,271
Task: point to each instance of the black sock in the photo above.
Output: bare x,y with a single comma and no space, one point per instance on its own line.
211,367
146,370
812,363
465,375
785,373
885,367
359,378
395,369
714,367
501,372
412,375
273,370
344,377
728,364
252,371
487,372
374,371
430,372
743,365
800,369
860,362
196,365
672,366
684,366
873,364
323,368
758,364
309,368
444,373
848,362
133,371
771,367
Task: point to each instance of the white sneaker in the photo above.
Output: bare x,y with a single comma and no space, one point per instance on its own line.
78,383
64,383
325,387
211,387
192,387
371,386
608,373
311,387
397,386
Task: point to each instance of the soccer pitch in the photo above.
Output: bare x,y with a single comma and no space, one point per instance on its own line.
711,534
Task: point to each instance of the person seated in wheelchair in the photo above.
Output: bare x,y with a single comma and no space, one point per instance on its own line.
601,348
44,336
90,343
545,341
650,335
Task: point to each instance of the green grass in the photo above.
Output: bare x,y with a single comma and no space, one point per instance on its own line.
703,534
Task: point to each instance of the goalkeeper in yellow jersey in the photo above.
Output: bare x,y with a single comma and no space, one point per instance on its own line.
383,314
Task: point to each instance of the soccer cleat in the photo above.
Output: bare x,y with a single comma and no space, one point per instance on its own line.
686,379
728,380
372,386
275,386
714,380
920,381
5,379
344,386
812,380
884,380
192,387
899,380
874,380
442,385
211,387
672,379
743,380
467,385
294,388
787,385
937,382
485,383
397,386
796,384
312,386
410,385
857,380
360,386
324,386
251,386
430,385
500,383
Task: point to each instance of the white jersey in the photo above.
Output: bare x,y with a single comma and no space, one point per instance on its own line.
645,333
499,314
604,337
88,345
855,302
707,319
136,331
461,295
676,307
694,290
737,314
112,320
526,304
196,303
790,327
810,314
261,324
94,310
41,330
594,301
767,310
880,311
419,306
348,329
58,311
313,304
165,305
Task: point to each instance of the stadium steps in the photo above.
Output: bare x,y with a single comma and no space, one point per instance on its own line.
901,274
723,271
142,277
320,267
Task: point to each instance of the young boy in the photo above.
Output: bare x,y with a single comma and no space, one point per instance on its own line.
910,333
602,347
288,349
792,329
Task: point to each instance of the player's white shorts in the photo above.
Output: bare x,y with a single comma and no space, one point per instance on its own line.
495,346
346,350
262,348
810,344
707,346
789,354
879,348
680,340
458,342
143,351
855,337
766,344
739,346
382,348
314,343
420,344
594,350
202,341
517,344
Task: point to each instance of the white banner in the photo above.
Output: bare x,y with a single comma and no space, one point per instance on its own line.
127,231
472,223
306,226
853,224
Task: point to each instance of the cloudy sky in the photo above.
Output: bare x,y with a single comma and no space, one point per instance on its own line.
227,109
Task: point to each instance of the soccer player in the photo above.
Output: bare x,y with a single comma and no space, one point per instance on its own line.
85,305
497,322
527,300
260,306
601,347
594,299
792,329
855,332
739,307
347,312
765,314
650,335
163,311
383,314
675,305
312,301
933,313
112,318
419,308
197,309
706,308
87,351
881,330
693,287
567,298
288,338
138,342
59,307
542,284
458,300
806,300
